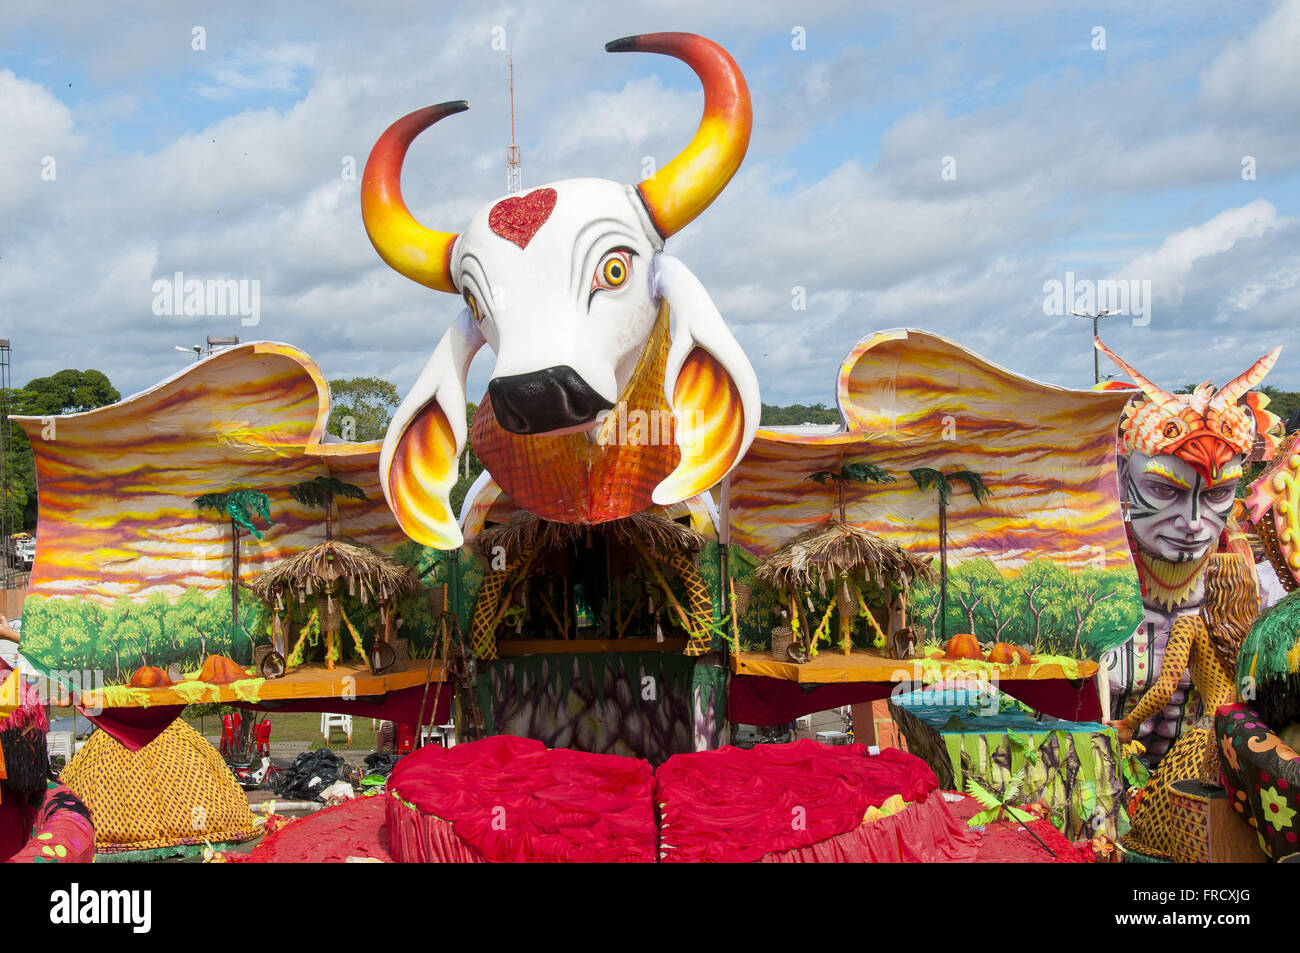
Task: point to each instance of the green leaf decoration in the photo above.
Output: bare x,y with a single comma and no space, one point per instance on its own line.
954,724
242,506
319,493
980,793
866,473
973,481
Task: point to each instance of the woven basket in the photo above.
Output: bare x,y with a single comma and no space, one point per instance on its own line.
744,592
782,639
847,599
260,652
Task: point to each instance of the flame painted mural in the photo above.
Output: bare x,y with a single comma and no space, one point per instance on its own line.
1042,561
129,571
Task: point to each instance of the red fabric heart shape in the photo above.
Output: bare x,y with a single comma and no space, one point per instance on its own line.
517,219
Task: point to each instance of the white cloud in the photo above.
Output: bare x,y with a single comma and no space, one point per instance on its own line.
1170,266
1261,71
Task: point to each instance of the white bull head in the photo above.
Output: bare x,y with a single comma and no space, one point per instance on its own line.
565,283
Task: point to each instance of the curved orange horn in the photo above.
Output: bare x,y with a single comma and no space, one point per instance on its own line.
409,248
1162,398
1231,392
686,186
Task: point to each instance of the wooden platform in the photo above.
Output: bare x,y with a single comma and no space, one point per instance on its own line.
313,680
832,666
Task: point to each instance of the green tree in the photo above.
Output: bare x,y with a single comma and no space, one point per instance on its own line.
925,478
362,406
773,415
1038,583
241,507
850,473
320,492
67,392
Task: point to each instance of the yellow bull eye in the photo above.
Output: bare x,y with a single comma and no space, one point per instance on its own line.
1172,430
613,270
472,304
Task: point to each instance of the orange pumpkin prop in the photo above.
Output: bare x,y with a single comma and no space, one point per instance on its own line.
963,645
1004,653
219,670
149,676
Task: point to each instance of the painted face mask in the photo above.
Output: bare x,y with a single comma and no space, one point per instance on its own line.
1181,459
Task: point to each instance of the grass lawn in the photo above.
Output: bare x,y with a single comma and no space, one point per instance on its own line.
303,728
300,727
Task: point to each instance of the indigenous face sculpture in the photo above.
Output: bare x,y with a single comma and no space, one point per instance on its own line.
1181,460
1176,514
566,283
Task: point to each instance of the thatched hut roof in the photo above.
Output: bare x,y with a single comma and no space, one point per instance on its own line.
654,533
819,556
360,569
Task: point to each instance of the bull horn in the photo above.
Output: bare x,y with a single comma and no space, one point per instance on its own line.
688,184
409,248
1231,392
1161,398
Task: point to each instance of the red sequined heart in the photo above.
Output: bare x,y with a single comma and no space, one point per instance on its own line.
518,219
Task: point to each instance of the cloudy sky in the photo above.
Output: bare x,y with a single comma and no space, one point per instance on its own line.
929,167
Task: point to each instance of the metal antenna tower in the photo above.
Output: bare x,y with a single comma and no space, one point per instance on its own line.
514,165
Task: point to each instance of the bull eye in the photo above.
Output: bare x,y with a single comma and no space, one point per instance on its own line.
472,304
612,271
1172,430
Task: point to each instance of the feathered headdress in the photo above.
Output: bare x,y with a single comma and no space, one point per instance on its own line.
1207,427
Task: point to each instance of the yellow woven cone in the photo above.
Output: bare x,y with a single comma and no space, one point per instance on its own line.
175,790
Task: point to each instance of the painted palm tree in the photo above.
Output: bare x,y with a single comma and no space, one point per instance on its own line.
320,493
926,478
851,473
242,507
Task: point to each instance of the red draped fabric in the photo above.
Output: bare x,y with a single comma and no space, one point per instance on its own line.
733,805
512,799
330,836
925,833
759,700
136,727
419,838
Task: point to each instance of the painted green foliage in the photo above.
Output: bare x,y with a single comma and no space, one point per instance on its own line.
1058,611
1055,610
74,633
61,633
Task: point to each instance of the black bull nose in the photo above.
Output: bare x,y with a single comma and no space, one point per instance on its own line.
543,401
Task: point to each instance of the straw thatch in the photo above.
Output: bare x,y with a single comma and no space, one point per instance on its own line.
820,556
359,570
526,532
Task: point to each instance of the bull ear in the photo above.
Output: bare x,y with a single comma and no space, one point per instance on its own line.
709,383
417,466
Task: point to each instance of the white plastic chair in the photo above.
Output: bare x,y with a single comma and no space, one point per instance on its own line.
60,743
444,735
329,722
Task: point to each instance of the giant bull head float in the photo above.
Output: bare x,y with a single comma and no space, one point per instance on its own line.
570,287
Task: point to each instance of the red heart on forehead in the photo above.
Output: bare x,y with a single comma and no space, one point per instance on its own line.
518,219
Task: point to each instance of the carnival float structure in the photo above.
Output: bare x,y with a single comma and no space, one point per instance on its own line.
642,565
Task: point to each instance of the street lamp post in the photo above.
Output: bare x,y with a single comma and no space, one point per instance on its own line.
1096,358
